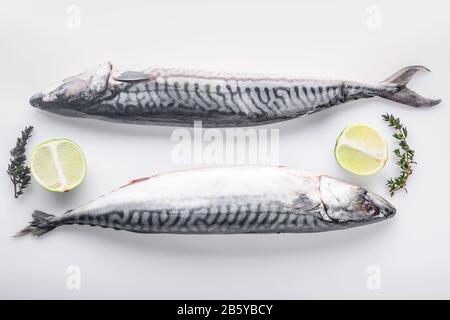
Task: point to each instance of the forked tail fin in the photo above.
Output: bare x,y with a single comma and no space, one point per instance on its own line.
41,223
394,89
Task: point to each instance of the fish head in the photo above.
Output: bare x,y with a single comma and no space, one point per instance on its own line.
352,205
74,92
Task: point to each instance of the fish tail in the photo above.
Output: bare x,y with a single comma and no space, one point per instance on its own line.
42,223
394,89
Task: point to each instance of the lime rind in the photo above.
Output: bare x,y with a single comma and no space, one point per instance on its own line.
44,171
365,156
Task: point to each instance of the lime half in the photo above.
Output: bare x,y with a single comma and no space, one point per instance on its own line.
58,165
361,150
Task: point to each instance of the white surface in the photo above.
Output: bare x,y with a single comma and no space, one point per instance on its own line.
319,39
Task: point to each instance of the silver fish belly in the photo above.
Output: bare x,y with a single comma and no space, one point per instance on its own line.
228,200
162,96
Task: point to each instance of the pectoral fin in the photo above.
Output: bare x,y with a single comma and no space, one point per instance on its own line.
305,204
132,76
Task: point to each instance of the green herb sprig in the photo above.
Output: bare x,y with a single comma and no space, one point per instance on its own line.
18,171
404,154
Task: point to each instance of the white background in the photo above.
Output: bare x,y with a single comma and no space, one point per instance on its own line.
312,39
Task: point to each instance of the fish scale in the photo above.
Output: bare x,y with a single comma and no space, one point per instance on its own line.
162,96
227,200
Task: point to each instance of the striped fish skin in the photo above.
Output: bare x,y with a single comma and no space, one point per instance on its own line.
177,97
227,200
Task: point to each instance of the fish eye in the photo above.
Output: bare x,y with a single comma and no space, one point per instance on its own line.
370,208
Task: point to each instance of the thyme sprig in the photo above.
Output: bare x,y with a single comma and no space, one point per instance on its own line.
404,154
18,171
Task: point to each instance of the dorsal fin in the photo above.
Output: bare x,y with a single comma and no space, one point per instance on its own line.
135,181
132,76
